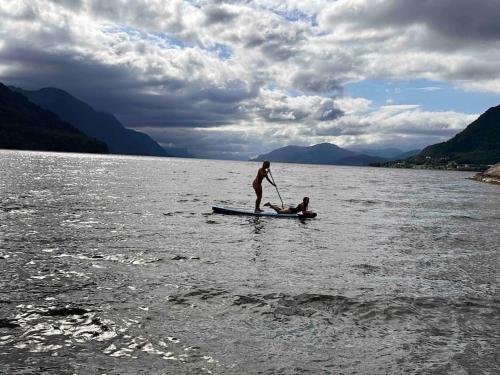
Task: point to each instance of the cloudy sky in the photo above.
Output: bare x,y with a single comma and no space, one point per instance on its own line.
238,78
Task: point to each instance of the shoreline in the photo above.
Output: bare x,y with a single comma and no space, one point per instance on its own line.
490,176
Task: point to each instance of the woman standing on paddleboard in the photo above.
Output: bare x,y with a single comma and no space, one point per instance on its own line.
257,183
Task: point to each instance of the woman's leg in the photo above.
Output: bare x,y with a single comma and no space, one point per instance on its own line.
275,208
278,209
258,192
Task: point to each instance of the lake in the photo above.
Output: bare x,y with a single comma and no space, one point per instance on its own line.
116,265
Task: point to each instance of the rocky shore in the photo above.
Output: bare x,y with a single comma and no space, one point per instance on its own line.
491,175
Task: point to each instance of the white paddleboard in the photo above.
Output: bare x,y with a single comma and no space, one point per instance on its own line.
242,211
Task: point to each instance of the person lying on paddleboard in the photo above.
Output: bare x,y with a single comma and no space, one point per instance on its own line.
257,183
301,207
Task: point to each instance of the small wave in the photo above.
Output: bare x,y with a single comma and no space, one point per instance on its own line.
169,349
201,294
367,268
182,257
8,323
465,217
329,306
47,329
366,202
121,258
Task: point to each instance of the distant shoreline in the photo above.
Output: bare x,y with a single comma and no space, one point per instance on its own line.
491,175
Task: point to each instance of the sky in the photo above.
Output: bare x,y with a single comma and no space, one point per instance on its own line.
234,79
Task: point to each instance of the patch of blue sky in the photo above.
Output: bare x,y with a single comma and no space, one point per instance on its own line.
293,15
271,86
430,95
294,93
297,15
314,20
160,39
164,40
224,52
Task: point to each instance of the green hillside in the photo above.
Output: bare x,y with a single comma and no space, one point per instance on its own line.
479,143
476,147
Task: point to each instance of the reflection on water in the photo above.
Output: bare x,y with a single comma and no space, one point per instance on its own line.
113,264
259,225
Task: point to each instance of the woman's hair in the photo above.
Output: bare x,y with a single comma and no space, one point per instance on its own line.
267,162
305,200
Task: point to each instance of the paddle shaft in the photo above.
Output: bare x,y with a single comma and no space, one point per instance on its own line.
276,186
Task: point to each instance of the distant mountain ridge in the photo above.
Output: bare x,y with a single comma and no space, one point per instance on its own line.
476,147
323,153
26,126
386,153
100,125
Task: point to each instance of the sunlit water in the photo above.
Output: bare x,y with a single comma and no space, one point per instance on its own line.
116,265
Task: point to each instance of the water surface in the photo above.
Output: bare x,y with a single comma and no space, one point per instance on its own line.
116,265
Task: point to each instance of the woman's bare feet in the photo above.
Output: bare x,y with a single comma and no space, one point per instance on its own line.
259,210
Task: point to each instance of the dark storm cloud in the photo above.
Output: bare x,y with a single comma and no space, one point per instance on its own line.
216,14
116,89
72,4
113,9
342,129
317,83
283,114
330,114
35,68
233,91
402,142
441,129
28,13
475,70
222,145
461,20
277,107
277,46
172,111
156,17
457,19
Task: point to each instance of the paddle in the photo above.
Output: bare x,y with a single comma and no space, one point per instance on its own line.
276,186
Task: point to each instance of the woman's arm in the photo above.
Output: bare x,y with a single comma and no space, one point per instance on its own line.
267,178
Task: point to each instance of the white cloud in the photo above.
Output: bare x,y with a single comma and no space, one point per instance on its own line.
429,88
264,72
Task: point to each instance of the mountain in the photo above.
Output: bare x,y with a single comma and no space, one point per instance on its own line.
26,126
386,153
323,153
478,143
474,148
100,125
406,154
